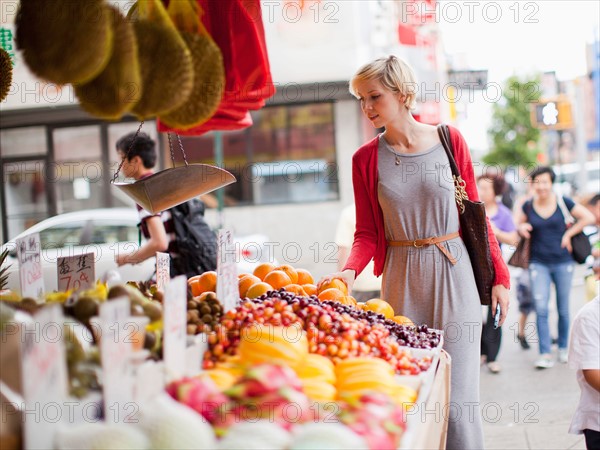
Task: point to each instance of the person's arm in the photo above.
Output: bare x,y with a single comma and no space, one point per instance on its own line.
592,376
584,218
343,253
157,242
365,236
502,275
507,237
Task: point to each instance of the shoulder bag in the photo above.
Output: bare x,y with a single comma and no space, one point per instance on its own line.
473,226
580,242
520,258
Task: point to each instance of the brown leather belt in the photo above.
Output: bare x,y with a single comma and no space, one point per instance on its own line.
418,243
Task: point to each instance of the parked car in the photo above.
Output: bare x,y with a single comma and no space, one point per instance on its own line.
106,232
101,231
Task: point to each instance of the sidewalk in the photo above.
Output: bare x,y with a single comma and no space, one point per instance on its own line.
526,408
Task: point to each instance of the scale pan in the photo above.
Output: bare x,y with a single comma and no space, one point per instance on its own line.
176,185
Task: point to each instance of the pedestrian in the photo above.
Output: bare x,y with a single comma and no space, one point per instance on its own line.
550,261
584,356
490,187
523,293
366,286
403,191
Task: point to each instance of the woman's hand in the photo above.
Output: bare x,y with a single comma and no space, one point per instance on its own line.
525,230
566,242
347,276
500,295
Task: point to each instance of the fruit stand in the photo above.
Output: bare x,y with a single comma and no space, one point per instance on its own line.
269,359
281,369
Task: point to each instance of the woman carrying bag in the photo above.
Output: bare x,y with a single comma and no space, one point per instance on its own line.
550,260
407,221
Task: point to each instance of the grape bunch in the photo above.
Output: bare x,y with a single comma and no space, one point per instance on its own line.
333,330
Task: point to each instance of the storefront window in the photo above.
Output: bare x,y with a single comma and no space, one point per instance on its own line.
19,142
78,173
287,156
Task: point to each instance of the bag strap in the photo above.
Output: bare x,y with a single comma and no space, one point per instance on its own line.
569,219
460,192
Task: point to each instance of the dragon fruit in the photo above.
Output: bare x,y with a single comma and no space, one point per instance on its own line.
376,418
201,395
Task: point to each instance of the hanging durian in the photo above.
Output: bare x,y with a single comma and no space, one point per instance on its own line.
209,72
118,88
5,73
64,41
165,61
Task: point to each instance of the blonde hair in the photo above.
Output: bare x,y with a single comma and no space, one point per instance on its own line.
393,73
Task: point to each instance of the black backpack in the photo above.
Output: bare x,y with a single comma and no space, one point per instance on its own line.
196,242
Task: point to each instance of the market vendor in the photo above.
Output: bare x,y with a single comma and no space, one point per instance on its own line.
139,158
403,190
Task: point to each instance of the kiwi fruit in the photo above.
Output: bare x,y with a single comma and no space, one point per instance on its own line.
118,87
5,73
209,84
117,291
84,309
153,310
165,61
64,41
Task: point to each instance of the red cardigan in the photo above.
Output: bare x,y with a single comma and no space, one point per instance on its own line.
369,238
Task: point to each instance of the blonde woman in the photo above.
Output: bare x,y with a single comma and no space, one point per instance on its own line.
403,191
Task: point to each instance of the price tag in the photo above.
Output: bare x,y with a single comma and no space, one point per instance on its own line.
115,353
163,270
30,266
227,280
76,272
174,327
44,377
194,355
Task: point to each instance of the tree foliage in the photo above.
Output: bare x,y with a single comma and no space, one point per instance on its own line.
514,139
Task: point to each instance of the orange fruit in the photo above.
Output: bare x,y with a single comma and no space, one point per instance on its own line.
335,283
263,269
206,282
304,277
310,289
277,279
403,320
380,306
347,300
296,289
192,279
242,275
291,272
258,289
331,294
245,283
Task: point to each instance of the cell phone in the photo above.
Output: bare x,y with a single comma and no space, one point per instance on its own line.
497,317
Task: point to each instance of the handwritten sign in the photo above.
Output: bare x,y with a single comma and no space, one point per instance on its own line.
174,327
44,377
115,352
194,354
163,270
227,281
76,272
30,266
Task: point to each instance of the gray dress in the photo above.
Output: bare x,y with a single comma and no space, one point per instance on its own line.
417,199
